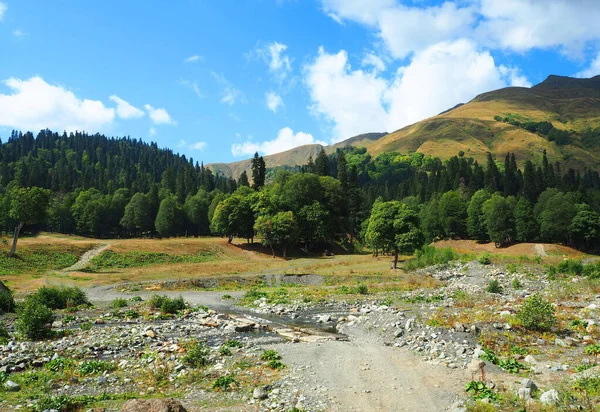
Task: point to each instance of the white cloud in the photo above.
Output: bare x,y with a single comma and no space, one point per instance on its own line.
158,116
19,33
126,110
35,105
592,70
181,143
275,57
286,139
274,101
375,61
514,77
522,25
356,10
3,8
193,59
351,100
152,131
233,117
437,78
230,94
193,86
198,146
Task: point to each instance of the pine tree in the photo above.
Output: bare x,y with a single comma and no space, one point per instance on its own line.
322,163
243,179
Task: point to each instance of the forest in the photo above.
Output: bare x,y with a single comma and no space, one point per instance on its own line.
96,186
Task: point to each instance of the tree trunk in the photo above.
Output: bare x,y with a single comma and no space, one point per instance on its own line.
230,239
395,260
273,250
284,251
13,249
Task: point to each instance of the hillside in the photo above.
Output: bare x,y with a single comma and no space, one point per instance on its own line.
568,104
292,157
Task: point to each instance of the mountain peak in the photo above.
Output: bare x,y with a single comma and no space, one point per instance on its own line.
554,82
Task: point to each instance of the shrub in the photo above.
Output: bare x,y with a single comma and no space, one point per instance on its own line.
570,267
593,350
156,301
94,367
233,343
536,313
7,302
60,297
33,319
119,303
166,304
479,390
136,299
494,287
132,314
224,351
516,284
485,259
225,383
226,296
59,364
429,256
275,364
362,289
270,355
196,355
4,336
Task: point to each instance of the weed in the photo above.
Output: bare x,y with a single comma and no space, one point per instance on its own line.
59,364
167,305
479,390
511,268
275,364
362,289
593,350
86,325
224,351
536,313
110,259
4,336
518,350
119,303
429,256
270,355
516,284
7,302
227,296
233,343
60,297
94,367
132,314
494,287
196,355
485,259
225,383
136,299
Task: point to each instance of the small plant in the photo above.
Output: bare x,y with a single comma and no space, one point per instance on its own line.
593,350
485,259
511,268
132,314
275,365
68,319
4,336
362,289
225,383
86,326
578,324
537,314
233,343
119,303
270,355
136,299
94,367
518,350
7,302
59,364
33,319
224,351
167,305
227,296
583,367
479,390
196,355
516,284
494,287
388,301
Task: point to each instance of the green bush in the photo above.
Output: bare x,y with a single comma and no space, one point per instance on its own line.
196,355
33,319
494,286
119,303
224,351
516,284
60,297
570,267
59,364
485,259
4,336
225,383
429,256
94,367
275,365
7,302
167,305
270,355
132,314
536,313
362,289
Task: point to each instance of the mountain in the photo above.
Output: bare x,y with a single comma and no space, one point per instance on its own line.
294,157
560,115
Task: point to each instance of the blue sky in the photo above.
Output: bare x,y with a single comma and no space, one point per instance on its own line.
218,80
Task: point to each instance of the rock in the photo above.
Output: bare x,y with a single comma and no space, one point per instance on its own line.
560,342
528,383
324,319
153,405
12,386
99,321
524,393
57,324
150,333
409,323
592,306
549,397
530,360
398,333
260,394
459,327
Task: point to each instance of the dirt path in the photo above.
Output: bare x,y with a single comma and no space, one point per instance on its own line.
540,250
365,375
85,258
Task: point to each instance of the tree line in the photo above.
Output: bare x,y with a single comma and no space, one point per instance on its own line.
97,186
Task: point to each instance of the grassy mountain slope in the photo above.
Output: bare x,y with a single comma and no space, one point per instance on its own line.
292,157
569,104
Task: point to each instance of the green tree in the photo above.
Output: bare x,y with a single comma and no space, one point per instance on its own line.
27,206
278,230
168,219
453,214
196,212
243,179
234,217
395,227
137,217
585,227
259,171
555,216
499,219
314,224
90,211
476,226
430,220
322,163
526,227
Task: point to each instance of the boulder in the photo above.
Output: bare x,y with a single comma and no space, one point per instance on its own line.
260,393
153,405
11,386
549,397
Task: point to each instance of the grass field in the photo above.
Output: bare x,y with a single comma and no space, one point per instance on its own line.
42,259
